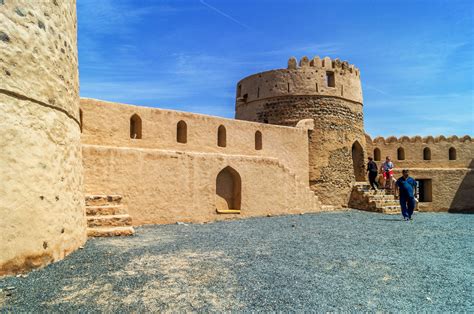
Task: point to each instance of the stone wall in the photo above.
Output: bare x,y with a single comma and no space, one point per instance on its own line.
41,199
164,181
287,96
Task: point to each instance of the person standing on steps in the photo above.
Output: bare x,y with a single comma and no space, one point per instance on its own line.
373,172
387,172
406,186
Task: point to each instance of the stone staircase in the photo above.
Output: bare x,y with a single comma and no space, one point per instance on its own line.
107,217
381,201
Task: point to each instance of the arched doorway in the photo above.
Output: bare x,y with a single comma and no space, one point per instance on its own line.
358,161
228,189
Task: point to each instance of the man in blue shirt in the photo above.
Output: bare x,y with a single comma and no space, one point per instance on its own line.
406,186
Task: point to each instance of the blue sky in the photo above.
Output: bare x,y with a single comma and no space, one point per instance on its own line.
416,57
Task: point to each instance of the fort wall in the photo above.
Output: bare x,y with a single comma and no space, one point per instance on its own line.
327,91
41,199
444,164
164,180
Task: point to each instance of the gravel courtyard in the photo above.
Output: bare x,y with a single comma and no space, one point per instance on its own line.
350,260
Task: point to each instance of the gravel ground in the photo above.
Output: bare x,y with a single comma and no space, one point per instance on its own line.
344,261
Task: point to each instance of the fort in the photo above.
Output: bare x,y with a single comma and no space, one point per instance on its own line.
75,167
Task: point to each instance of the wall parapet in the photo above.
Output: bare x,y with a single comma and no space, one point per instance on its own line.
322,63
322,77
418,139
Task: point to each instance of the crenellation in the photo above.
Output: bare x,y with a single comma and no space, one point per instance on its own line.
418,139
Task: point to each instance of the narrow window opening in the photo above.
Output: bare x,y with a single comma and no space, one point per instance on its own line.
425,191
221,136
135,127
452,153
239,91
377,154
80,120
401,153
182,132
342,90
288,87
258,140
330,79
426,153
258,92
317,90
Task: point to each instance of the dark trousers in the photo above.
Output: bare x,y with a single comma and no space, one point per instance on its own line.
407,204
372,177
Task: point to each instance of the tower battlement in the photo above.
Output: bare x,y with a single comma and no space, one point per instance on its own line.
315,77
324,63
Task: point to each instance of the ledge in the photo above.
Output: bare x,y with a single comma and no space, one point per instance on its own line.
228,211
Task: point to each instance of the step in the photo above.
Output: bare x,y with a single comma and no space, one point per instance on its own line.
109,221
100,199
110,231
391,208
381,197
103,210
228,211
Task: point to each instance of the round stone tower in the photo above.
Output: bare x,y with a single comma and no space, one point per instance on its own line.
41,199
328,91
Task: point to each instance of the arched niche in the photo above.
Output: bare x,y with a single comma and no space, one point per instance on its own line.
228,189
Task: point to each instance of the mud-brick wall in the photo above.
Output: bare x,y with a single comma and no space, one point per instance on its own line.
286,96
41,199
166,186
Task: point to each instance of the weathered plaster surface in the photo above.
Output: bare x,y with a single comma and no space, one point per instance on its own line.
41,199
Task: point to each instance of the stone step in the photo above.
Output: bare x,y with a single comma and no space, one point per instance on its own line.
100,199
110,231
384,202
109,221
391,211
381,197
103,210
391,208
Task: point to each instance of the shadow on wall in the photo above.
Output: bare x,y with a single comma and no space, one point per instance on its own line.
463,201
228,189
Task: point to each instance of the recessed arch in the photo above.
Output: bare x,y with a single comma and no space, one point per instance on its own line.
377,154
258,140
228,189
452,153
358,161
401,153
426,153
182,132
135,127
221,136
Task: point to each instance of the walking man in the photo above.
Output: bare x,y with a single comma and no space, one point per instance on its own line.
372,170
406,186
